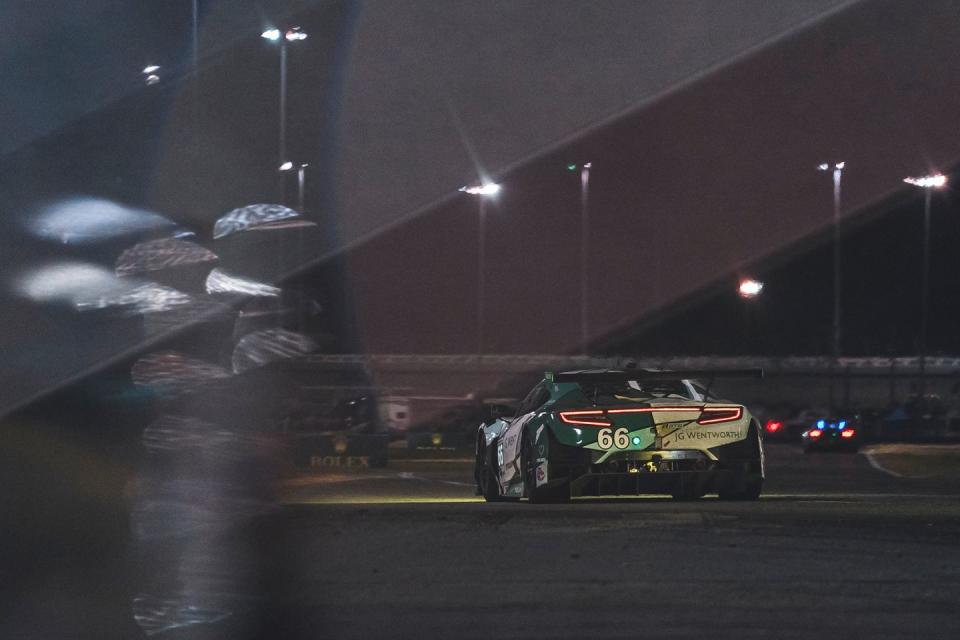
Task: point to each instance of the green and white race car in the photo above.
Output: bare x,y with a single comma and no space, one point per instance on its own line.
629,432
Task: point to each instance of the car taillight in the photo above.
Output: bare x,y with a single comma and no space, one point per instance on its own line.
601,417
590,418
816,433
848,433
773,426
713,415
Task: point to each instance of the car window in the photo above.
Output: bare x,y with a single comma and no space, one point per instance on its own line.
533,400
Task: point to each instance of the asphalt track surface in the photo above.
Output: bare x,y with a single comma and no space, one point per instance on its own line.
835,548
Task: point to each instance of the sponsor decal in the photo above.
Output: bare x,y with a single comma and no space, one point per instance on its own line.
541,473
704,435
342,462
500,454
666,429
608,439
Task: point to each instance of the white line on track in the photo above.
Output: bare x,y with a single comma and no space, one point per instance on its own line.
879,467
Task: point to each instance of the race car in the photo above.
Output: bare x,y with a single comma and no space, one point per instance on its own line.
621,432
832,434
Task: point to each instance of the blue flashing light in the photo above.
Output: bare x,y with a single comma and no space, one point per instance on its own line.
843,423
820,424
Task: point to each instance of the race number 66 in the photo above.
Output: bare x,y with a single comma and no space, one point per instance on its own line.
608,438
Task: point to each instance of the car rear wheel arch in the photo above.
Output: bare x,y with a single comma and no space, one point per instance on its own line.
551,493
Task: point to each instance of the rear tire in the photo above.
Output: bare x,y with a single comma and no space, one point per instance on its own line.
743,487
746,480
545,494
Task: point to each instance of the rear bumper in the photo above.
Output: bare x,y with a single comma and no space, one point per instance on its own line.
633,484
656,471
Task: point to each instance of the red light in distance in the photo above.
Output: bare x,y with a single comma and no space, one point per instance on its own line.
816,433
773,426
848,433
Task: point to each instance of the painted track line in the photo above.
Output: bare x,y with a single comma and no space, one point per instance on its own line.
879,467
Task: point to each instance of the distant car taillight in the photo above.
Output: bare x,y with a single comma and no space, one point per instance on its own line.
816,433
773,426
848,433
590,418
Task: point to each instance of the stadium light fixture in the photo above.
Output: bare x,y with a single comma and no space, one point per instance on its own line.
935,181
749,288
486,189
295,34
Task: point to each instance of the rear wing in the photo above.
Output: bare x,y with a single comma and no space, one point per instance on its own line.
650,376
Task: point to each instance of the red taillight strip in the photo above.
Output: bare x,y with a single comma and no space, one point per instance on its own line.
658,410
732,414
571,417
708,415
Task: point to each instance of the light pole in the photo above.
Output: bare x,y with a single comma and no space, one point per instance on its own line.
928,184
584,252
484,191
301,171
293,34
748,289
837,170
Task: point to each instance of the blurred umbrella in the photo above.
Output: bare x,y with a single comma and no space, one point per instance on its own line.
198,311
142,299
156,255
173,372
219,281
263,347
87,287
251,216
89,220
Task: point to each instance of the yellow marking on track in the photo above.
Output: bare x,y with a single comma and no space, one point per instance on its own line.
307,481
383,500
